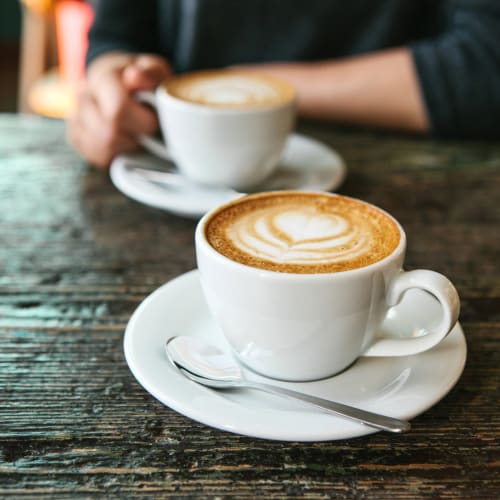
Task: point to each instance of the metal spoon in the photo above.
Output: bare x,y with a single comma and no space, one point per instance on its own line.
206,364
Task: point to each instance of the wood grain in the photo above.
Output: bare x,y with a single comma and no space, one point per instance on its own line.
77,257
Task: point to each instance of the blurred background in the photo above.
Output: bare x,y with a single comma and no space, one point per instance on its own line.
10,34
42,52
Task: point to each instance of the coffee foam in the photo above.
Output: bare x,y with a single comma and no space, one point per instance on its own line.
228,88
298,232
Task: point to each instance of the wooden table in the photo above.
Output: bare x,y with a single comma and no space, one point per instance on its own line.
77,257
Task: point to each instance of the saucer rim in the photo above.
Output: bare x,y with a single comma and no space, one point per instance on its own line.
228,423
121,178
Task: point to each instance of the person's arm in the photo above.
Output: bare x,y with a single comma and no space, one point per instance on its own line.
379,89
448,84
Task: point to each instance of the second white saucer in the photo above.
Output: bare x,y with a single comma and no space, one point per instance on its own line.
306,164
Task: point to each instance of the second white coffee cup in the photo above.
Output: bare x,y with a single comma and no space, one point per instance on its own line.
228,128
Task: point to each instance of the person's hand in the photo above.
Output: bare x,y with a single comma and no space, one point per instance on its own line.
107,119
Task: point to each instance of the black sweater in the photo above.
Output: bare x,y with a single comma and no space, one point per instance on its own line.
455,43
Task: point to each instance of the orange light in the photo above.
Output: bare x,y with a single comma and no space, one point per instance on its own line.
73,20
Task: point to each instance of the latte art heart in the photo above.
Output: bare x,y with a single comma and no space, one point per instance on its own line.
303,232
288,236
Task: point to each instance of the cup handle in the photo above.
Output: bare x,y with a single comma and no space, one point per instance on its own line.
437,285
149,143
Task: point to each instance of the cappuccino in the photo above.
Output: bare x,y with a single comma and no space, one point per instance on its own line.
300,232
230,89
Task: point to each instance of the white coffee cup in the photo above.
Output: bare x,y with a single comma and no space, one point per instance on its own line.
307,326
230,138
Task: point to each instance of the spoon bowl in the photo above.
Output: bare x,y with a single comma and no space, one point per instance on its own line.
208,365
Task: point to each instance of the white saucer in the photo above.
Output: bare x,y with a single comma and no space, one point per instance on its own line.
306,164
401,387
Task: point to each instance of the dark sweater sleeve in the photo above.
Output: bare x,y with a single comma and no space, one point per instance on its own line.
459,70
124,25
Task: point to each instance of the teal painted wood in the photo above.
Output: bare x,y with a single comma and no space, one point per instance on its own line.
77,257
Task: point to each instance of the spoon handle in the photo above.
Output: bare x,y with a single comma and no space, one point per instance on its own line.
366,417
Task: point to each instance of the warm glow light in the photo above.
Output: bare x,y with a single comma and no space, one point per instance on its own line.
40,6
73,20
51,96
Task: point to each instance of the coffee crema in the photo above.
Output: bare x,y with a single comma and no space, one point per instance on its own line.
300,232
230,89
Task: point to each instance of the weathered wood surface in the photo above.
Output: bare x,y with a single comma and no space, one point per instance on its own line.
77,257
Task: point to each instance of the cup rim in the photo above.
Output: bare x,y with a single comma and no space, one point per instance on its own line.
162,92
201,241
